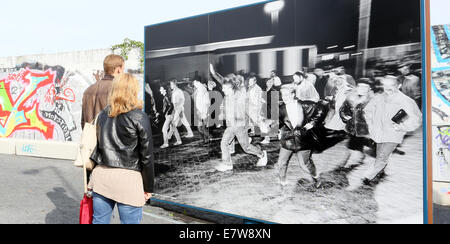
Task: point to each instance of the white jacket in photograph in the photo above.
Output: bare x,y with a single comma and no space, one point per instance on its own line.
380,111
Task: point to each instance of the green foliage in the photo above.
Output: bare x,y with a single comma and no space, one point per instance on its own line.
126,46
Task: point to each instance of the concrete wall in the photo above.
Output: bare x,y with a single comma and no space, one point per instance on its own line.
441,193
40,100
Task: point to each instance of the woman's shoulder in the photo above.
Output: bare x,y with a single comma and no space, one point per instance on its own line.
138,118
104,113
137,113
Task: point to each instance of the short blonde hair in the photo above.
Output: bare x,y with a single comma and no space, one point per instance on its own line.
112,62
124,95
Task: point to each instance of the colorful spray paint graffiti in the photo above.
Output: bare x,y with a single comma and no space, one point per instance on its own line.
39,102
441,155
443,135
18,108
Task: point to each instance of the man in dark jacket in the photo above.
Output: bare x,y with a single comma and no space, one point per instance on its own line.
352,114
321,82
297,118
411,85
270,109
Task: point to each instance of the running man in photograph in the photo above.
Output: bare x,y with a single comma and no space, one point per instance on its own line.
390,116
237,126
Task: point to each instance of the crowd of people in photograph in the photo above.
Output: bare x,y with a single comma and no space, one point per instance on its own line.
303,112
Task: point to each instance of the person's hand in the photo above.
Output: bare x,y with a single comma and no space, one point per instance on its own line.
265,127
98,75
298,133
211,85
156,121
398,127
347,118
147,196
308,126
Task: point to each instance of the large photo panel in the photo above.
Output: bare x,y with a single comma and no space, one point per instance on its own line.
295,111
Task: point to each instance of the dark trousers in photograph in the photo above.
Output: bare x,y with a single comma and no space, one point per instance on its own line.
241,134
204,130
384,151
355,147
303,157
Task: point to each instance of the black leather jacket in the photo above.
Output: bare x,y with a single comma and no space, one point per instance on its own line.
126,142
352,114
167,106
295,139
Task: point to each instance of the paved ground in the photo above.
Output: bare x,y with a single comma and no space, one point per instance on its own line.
441,214
187,175
47,191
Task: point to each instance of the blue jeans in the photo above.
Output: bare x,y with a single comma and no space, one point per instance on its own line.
103,208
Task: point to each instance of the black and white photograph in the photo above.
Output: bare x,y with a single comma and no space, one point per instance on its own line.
291,111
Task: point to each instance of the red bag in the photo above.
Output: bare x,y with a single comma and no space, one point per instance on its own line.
87,204
86,210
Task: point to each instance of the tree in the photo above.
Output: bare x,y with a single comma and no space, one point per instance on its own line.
126,46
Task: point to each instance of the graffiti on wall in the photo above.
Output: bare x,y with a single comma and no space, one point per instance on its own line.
41,102
441,153
18,106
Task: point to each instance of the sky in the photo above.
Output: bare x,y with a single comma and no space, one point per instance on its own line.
50,26
439,14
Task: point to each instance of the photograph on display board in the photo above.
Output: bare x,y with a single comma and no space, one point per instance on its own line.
291,111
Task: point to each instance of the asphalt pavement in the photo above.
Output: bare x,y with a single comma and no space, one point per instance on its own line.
49,191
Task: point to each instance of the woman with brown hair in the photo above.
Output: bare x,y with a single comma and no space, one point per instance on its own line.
124,174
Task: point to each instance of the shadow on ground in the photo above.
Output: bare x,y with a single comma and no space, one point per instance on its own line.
66,208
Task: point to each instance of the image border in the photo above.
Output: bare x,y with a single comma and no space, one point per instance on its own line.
427,125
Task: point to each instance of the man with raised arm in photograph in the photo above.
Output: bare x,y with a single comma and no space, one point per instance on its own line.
237,126
202,104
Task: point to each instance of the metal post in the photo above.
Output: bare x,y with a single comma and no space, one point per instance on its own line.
365,7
